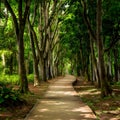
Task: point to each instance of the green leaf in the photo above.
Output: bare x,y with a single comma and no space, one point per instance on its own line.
7,96
1,100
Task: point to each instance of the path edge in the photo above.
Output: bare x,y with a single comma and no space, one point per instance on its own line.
27,115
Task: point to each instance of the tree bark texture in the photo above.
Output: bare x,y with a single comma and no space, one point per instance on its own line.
33,38
105,86
94,63
19,30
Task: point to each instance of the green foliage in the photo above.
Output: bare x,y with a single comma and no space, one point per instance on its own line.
10,79
8,95
88,102
14,79
30,78
6,71
117,84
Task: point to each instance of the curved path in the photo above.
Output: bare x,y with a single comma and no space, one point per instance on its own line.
61,103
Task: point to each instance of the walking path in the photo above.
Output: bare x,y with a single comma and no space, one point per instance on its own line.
61,103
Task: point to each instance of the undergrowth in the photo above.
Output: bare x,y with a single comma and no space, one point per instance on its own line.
14,79
9,96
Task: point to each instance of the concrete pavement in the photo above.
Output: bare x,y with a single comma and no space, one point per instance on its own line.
61,103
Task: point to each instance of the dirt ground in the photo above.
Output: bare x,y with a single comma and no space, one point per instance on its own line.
19,112
105,109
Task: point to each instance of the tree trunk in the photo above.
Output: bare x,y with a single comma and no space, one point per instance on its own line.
115,51
109,68
94,63
33,38
43,68
11,63
3,59
36,73
105,86
22,71
19,30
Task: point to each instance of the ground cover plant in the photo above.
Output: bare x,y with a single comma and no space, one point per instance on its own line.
22,106
105,109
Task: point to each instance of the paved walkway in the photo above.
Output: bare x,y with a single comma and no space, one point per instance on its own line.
61,103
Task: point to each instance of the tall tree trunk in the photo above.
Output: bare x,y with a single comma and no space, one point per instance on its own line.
105,86
94,63
87,70
43,68
50,66
35,61
109,68
36,73
22,71
115,51
33,38
11,63
19,30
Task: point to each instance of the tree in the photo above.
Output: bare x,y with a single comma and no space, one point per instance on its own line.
105,87
46,38
19,25
33,40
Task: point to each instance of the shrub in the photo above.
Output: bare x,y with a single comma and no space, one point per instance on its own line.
118,83
8,96
10,79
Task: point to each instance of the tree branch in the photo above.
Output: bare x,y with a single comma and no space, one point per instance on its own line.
35,12
27,7
112,44
86,19
7,5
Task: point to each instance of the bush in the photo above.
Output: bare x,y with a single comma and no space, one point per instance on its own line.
10,79
6,71
118,83
8,96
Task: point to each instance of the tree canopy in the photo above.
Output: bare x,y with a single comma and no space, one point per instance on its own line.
48,38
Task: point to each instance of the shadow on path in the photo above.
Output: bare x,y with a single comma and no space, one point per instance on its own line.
61,103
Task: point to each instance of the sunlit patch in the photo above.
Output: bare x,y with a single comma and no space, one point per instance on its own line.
53,102
88,91
60,103
43,110
88,116
61,86
81,109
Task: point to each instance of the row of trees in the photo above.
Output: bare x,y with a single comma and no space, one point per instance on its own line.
36,27
93,34
82,35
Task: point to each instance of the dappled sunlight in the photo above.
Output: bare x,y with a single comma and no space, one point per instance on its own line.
59,86
65,110
60,103
43,110
49,102
62,93
83,109
87,90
